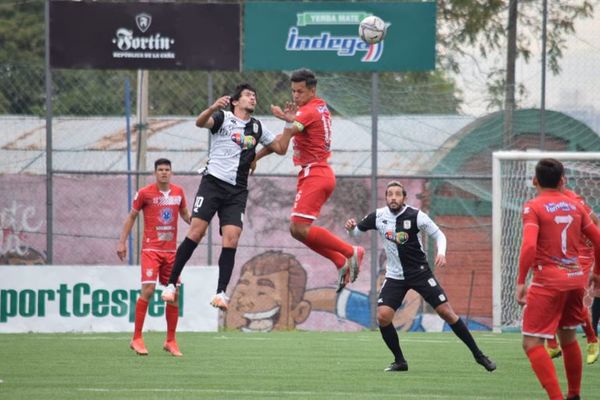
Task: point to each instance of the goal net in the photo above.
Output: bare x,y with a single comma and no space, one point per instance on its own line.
511,186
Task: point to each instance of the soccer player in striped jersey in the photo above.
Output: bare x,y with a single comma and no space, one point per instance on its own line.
553,227
224,186
407,267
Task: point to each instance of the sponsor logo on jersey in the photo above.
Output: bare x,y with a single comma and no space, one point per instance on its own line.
165,236
397,237
166,215
560,206
167,201
246,142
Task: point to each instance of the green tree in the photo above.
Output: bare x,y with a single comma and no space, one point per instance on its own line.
477,29
21,56
466,28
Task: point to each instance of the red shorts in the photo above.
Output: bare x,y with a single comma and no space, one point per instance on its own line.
157,264
550,309
315,185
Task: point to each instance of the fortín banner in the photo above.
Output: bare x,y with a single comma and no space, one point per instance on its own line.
144,35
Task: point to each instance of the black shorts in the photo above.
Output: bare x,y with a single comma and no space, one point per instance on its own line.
217,196
393,290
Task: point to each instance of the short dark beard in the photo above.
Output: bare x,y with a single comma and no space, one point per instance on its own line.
396,210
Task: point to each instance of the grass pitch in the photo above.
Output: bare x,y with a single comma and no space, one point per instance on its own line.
276,365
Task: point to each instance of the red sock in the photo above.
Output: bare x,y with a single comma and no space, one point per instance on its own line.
172,314
328,245
573,367
141,307
552,343
542,365
587,328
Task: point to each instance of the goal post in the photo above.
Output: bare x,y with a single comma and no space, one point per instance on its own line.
512,173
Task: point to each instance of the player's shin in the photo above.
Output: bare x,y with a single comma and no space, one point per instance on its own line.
226,263
542,366
184,252
573,366
141,307
172,317
390,337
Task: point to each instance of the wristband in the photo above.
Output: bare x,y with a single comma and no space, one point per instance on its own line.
289,125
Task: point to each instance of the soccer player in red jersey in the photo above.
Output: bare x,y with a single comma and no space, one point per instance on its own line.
586,260
161,202
553,226
309,123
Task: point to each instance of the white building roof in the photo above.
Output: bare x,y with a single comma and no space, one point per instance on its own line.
406,144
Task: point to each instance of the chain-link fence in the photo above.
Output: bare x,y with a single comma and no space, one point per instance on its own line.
442,156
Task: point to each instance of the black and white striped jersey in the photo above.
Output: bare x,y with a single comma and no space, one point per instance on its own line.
233,147
402,239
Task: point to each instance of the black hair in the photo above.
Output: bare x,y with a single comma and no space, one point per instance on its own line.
237,93
306,76
395,183
549,172
161,161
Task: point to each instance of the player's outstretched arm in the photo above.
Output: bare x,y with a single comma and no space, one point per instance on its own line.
280,146
204,120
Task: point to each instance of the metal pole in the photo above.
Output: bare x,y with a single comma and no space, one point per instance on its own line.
543,94
142,124
374,170
129,183
470,297
511,56
209,239
49,176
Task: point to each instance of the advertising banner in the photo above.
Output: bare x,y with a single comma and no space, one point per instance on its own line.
98,299
324,36
144,35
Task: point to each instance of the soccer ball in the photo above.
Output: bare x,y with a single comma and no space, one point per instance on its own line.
372,29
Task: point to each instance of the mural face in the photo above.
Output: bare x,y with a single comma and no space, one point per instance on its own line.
271,294
268,295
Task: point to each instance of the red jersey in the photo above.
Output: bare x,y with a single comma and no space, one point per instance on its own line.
553,229
587,250
161,212
312,144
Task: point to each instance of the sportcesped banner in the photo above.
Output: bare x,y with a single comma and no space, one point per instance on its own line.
324,36
97,299
86,34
